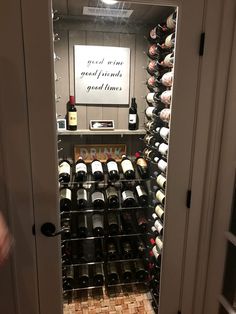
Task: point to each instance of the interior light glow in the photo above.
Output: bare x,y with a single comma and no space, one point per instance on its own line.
109,2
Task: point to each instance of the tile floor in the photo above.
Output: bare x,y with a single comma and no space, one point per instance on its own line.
119,301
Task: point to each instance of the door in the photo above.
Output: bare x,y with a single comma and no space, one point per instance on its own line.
38,49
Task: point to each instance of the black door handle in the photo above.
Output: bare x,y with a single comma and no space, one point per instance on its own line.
49,230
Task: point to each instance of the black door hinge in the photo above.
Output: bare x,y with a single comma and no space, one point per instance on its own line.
188,198
33,229
202,44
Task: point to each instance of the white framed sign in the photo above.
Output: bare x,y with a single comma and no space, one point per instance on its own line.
102,75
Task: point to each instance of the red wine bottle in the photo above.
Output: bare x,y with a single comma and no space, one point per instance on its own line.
97,199
112,196
142,221
127,222
127,196
133,115
112,274
98,275
82,226
64,170
163,132
127,168
126,249
97,170
82,198
142,195
71,114
112,169
126,272
98,225
140,271
112,221
112,251
80,170
65,199
83,278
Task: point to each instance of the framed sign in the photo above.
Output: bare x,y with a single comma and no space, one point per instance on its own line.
101,152
102,75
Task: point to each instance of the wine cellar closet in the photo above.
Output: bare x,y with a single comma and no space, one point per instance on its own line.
114,73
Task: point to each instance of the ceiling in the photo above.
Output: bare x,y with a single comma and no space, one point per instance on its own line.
142,13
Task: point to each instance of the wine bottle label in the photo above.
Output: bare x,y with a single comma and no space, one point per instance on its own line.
132,118
170,40
165,115
169,60
112,166
141,162
64,167
72,118
112,220
111,191
161,181
155,252
153,33
154,216
148,138
160,196
170,22
151,82
150,96
126,165
97,221
167,79
162,165
96,166
81,167
166,97
65,193
82,194
164,133
140,191
127,194
163,148
97,196
159,243
149,111
159,211
158,226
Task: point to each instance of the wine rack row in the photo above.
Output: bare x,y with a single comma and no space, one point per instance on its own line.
158,113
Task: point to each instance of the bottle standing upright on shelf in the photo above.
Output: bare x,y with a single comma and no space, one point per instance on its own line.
80,170
133,118
71,114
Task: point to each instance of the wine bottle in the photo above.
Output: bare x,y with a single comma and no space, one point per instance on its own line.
113,226
98,200
69,279
71,114
150,139
127,222
151,125
140,272
75,251
165,97
74,225
65,199
64,170
127,168
154,85
82,198
163,132
112,169
168,61
97,170
159,243
161,181
82,226
65,226
142,166
156,255
133,115
83,278
162,148
159,210
155,35
80,170
141,221
167,79
112,196
98,275
152,112
126,249
154,52
154,69
160,196
112,274
127,196
142,195
98,225
158,224
141,248
153,98
112,251
126,272
161,165
169,41
170,22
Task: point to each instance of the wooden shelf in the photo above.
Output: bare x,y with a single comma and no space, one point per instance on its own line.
103,132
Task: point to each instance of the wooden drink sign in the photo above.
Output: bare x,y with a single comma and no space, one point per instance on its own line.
100,152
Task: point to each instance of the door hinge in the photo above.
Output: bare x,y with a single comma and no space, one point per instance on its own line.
188,198
33,229
202,44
